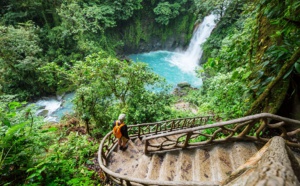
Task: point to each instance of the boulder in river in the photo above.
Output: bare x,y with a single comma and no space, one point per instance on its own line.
184,85
43,112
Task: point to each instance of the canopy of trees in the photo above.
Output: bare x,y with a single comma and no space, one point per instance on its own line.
250,64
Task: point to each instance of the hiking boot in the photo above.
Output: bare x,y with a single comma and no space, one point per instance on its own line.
125,148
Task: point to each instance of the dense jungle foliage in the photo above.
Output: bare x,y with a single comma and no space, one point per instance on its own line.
250,64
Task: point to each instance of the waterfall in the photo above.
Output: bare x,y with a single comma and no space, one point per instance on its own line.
188,60
180,68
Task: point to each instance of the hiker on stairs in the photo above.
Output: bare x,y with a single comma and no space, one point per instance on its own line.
120,132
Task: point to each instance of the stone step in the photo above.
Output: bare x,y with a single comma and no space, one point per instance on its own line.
241,152
202,168
124,162
139,145
173,137
211,164
159,140
169,167
185,166
155,166
221,161
133,150
142,169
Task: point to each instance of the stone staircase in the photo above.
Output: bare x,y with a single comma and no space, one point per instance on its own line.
189,151
208,165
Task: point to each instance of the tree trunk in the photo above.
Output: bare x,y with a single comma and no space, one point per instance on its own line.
286,67
87,125
273,165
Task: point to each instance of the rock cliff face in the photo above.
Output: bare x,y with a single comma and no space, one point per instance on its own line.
156,43
144,34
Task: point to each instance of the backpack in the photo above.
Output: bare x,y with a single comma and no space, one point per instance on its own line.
117,129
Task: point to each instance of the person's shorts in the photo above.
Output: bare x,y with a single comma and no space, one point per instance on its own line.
124,140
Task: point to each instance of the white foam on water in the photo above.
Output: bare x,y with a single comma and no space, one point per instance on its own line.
51,105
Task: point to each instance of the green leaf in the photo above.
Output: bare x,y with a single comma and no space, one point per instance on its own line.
264,64
13,131
297,67
14,105
268,80
246,75
6,122
51,129
235,74
288,73
260,74
89,162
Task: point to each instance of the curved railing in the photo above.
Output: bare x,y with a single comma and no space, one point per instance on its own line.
109,142
250,128
193,132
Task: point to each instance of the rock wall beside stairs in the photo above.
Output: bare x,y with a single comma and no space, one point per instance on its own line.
274,165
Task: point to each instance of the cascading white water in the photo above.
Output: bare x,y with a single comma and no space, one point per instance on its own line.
48,106
54,108
188,61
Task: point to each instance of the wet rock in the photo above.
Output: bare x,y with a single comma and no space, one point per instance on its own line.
182,89
59,97
184,85
41,107
43,113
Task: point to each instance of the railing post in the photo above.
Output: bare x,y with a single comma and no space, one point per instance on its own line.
247,129
242,126
261,127
104,158
184,122
146,146
188,136
128,183
193,122
172,126
106,179
139,132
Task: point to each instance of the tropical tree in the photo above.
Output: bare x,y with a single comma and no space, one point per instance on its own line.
19,58
41,12
166,11
276,42
108,86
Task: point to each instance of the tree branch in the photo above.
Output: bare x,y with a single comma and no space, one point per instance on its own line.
284,69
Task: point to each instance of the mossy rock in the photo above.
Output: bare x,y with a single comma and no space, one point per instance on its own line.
184,85
43,113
